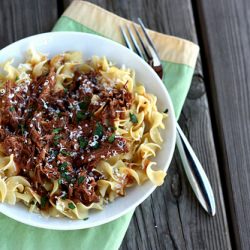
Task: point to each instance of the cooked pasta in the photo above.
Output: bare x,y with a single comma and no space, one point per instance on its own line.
74,134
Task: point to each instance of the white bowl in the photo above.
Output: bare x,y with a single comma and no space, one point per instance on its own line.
57,42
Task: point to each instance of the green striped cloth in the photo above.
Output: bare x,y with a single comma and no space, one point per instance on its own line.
178,57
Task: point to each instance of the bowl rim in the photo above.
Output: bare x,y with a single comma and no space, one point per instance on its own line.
71,226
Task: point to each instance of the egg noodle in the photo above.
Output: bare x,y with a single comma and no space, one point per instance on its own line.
47,159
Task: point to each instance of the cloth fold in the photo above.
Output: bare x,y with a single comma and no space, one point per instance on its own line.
178,58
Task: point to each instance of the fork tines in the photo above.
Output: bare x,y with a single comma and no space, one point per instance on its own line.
146,34
131,41
143,45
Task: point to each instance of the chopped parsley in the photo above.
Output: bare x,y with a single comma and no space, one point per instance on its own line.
133,118
11,109
80,179
71,205
64,196
60,181
80,116
83,143
95,145
111,138
62,167
64,152
86,218
166,111
56,139
65,164
44,200
98,129
17,78
53,153
22,128
83,105
68,177
56,130
63,175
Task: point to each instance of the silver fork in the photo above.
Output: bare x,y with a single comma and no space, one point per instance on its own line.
192,166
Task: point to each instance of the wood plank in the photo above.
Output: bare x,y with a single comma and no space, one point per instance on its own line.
172,208
171,218
227,55
20,19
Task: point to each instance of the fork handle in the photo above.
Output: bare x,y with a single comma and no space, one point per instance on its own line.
195,173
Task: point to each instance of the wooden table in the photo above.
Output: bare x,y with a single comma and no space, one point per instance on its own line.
215,117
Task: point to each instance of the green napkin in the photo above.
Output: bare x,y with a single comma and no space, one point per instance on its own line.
178,57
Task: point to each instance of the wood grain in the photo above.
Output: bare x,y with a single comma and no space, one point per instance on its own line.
171,218
228,69
19,19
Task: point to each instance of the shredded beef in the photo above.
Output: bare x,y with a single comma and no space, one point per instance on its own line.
62,135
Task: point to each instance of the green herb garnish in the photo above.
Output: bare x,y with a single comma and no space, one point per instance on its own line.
64,152
62,167
63,175
96,145
17,78
71,205
111,138
86,218
60,181
166,111
22,128
98,129
133,118
83,105
80,116
56,130
44,200
68,177
83,143
64,197
56,139
65,164
80,180
11,109
53,153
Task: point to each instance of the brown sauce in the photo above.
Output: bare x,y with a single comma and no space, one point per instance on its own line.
62,135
